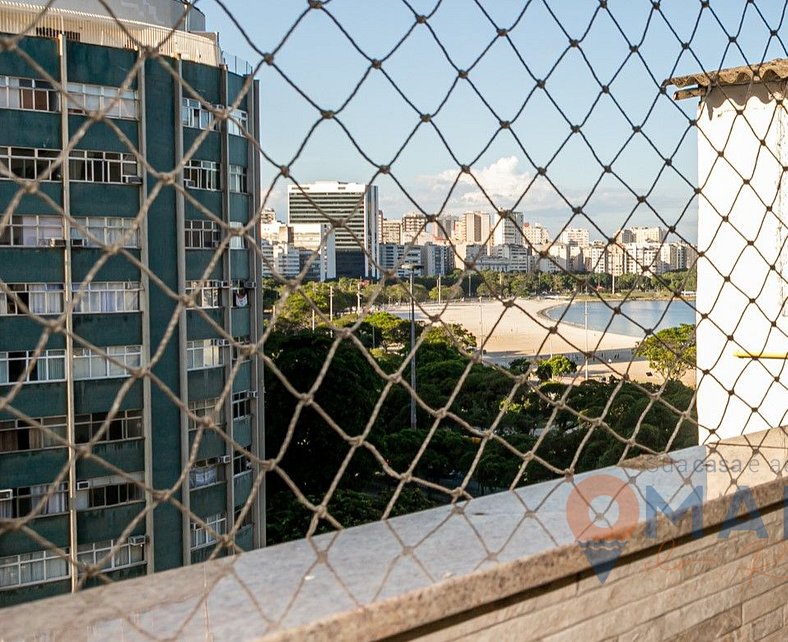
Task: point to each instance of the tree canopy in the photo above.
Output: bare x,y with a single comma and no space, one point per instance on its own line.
671,352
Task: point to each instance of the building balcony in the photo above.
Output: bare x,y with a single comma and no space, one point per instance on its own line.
689,554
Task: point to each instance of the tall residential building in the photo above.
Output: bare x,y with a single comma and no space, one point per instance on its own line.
352,209
79,504
391,231
477,228
508,228
443,229
535,234
574,236
437,260
415,229
653,234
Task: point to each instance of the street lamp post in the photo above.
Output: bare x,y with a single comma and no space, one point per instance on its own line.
412,267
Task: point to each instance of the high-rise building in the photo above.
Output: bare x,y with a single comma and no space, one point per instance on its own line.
574,236
648,234
352,209
438,260
414,229
508,228
477,228
99,399
391,231
535,234
443,228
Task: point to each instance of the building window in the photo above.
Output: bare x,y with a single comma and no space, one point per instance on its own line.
238,235
108,491
27,93
27,162
240,345
32,231
201,174
204,353
204,408
38,298
106,296
42,499
17,434
32,568
201,535
89,365
102,167
207,294
247,520
201,235
240,297
242,404
127,424
241,464
100,231
196,114
206,473
113,101
237,179
110,554
238,122
50,365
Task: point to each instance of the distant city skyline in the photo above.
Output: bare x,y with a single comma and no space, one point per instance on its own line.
504,161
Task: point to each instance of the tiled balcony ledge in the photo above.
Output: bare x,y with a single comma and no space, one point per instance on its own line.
485,567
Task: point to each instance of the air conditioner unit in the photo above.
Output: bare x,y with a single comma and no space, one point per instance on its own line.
250,285
138,540
6,493
188,182
224,459
222,343
83,485
79,243
57,243
133,180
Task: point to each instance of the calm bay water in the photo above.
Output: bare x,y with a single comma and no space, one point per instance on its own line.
646,314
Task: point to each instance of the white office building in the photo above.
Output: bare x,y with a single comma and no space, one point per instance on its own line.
352,210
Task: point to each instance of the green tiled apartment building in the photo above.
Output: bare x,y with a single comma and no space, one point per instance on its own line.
61,272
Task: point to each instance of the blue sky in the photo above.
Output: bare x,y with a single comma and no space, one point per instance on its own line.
318,63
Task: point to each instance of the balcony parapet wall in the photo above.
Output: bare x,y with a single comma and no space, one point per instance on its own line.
691,544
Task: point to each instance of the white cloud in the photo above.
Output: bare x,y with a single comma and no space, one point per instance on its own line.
501,182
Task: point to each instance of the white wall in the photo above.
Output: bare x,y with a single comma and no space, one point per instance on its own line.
737,289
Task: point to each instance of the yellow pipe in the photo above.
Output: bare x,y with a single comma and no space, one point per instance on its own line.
741,354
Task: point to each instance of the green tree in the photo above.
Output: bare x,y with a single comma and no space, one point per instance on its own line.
671,351
555,367
347,393
519,366
392,332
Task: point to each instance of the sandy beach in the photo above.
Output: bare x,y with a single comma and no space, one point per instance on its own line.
523,330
